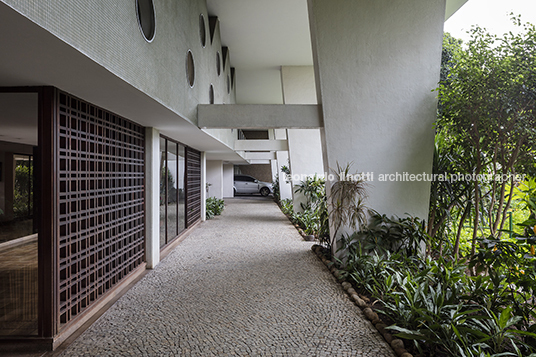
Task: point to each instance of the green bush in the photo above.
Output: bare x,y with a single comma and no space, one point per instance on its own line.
314,218
287,207
214,207
481,307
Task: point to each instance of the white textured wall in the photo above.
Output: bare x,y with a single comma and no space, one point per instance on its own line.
259,86
107,32
376,65
298,84
215,178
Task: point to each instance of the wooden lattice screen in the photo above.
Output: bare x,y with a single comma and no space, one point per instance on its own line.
101,213
193,186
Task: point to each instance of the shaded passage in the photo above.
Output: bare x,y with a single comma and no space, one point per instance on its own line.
236,286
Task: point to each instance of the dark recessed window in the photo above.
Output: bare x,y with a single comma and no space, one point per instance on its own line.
228,85
190,68
218,63
202,30
146,18
211,94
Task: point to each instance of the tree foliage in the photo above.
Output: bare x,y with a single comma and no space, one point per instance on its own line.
487,118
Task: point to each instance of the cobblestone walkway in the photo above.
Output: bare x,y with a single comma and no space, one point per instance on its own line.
242,284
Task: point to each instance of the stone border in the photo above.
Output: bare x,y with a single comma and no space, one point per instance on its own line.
307,238
361,301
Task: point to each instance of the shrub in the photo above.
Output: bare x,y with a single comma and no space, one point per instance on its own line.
214,207
435,303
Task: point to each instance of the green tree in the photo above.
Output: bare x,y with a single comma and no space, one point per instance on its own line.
488,109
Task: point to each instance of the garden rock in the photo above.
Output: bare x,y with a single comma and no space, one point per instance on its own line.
369,314
397,344
380,326
388,337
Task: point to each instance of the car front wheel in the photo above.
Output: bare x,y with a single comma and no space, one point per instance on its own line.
265,191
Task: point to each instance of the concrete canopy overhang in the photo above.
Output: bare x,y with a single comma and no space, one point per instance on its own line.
31,56
265,35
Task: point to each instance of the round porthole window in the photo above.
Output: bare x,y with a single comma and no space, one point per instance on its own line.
190,68
218,63
211,94
202,30
146,18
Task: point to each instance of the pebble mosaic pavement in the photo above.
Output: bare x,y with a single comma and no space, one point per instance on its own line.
242,284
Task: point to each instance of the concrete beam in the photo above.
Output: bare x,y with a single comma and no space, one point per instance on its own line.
259,116
259,162
260,156
261,145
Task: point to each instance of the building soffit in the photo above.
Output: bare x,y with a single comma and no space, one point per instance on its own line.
288,43
248,29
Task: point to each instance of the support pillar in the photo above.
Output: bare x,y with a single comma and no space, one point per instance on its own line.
304,145
376,64
152,196
285,189
305,156
203,186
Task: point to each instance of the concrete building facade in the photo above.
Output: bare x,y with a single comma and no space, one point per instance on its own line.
118,120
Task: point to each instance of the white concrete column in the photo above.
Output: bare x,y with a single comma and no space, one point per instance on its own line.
304,145
152,197
215,178
376,65
285,189
273,164
228,180
305,154
203,186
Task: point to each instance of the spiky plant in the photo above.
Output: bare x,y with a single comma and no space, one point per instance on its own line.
347,200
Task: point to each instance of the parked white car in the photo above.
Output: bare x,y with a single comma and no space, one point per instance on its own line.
245,184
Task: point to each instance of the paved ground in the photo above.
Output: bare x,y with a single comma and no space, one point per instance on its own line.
242,284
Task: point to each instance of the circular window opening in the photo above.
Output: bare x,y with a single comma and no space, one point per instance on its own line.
218,63
146,18
211,94
202,30
228,85
190,68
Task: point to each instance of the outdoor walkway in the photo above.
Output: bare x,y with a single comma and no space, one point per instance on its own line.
242,284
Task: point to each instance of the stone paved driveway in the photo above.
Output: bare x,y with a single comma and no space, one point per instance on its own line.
242,284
